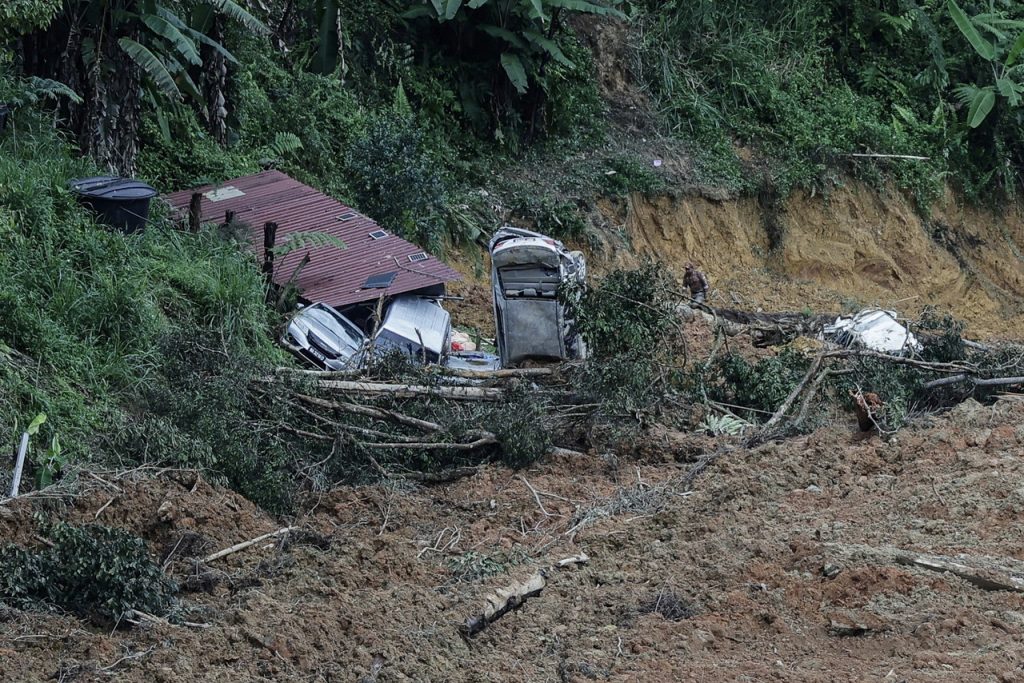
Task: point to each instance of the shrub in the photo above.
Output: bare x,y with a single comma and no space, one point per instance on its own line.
627,314
395,181
759,388
93,571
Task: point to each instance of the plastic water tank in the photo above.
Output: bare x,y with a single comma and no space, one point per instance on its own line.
121,203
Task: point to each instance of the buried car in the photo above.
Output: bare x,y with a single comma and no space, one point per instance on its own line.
417,327
326,338
527,269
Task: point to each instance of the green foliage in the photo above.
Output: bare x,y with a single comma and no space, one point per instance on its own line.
85,313
187,156
626,321
520,423
93,571
626,174
718,425
1001,55
806,83
759,388
502,53
21,16
626,314
396,181
948,344
194,412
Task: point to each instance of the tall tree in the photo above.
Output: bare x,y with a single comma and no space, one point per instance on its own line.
116,52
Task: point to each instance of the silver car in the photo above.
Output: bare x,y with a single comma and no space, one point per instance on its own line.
326,338
527,269
418,327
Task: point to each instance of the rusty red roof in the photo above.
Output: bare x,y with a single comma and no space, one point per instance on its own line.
334,276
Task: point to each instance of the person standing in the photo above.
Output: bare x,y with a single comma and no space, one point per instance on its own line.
696,282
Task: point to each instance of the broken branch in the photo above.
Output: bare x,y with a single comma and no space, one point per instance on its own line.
245,544
368,411
505,600
988,578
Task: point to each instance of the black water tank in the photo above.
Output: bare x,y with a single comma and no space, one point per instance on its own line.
121,203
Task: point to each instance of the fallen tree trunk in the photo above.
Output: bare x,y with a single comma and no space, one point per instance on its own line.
989,578
483,439
413,390
246,544
505,600
502,373
976,381
993,574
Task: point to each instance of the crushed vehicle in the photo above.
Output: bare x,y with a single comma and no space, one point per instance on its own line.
418,327
415,326
326,338
873,329
527,269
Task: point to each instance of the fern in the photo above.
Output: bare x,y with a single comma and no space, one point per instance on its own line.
721,425
43,88
307,240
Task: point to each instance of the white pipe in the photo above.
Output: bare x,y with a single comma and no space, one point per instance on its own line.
19,464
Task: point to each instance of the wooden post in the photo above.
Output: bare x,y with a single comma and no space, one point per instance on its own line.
269,238
195,212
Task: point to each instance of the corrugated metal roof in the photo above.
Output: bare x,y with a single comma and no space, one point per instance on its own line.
334,276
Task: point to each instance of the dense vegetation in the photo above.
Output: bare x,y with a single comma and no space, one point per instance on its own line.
438,118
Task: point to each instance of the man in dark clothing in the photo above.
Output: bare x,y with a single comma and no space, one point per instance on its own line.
696,282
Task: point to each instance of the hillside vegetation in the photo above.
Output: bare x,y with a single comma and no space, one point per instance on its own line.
810,154
437,119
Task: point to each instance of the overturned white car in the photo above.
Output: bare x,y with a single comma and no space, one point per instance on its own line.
527,269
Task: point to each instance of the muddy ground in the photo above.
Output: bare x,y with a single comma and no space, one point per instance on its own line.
781,563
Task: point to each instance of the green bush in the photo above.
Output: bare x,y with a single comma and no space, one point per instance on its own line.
396,181
93,571
804,83
85,312
759,388
627,314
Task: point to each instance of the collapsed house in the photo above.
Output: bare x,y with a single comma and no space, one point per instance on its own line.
300,231
358,284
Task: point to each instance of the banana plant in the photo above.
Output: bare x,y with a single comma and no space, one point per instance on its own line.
999,40
166,45
117,54
524,32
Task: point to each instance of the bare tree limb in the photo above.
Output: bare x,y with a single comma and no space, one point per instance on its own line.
976,381
369,411
246,544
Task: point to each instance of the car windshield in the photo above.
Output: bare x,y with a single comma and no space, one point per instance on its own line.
335,329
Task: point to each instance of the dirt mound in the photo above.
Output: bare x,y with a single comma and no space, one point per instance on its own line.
782,563
852,249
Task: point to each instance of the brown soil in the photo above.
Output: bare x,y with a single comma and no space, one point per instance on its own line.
853,249
763,572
